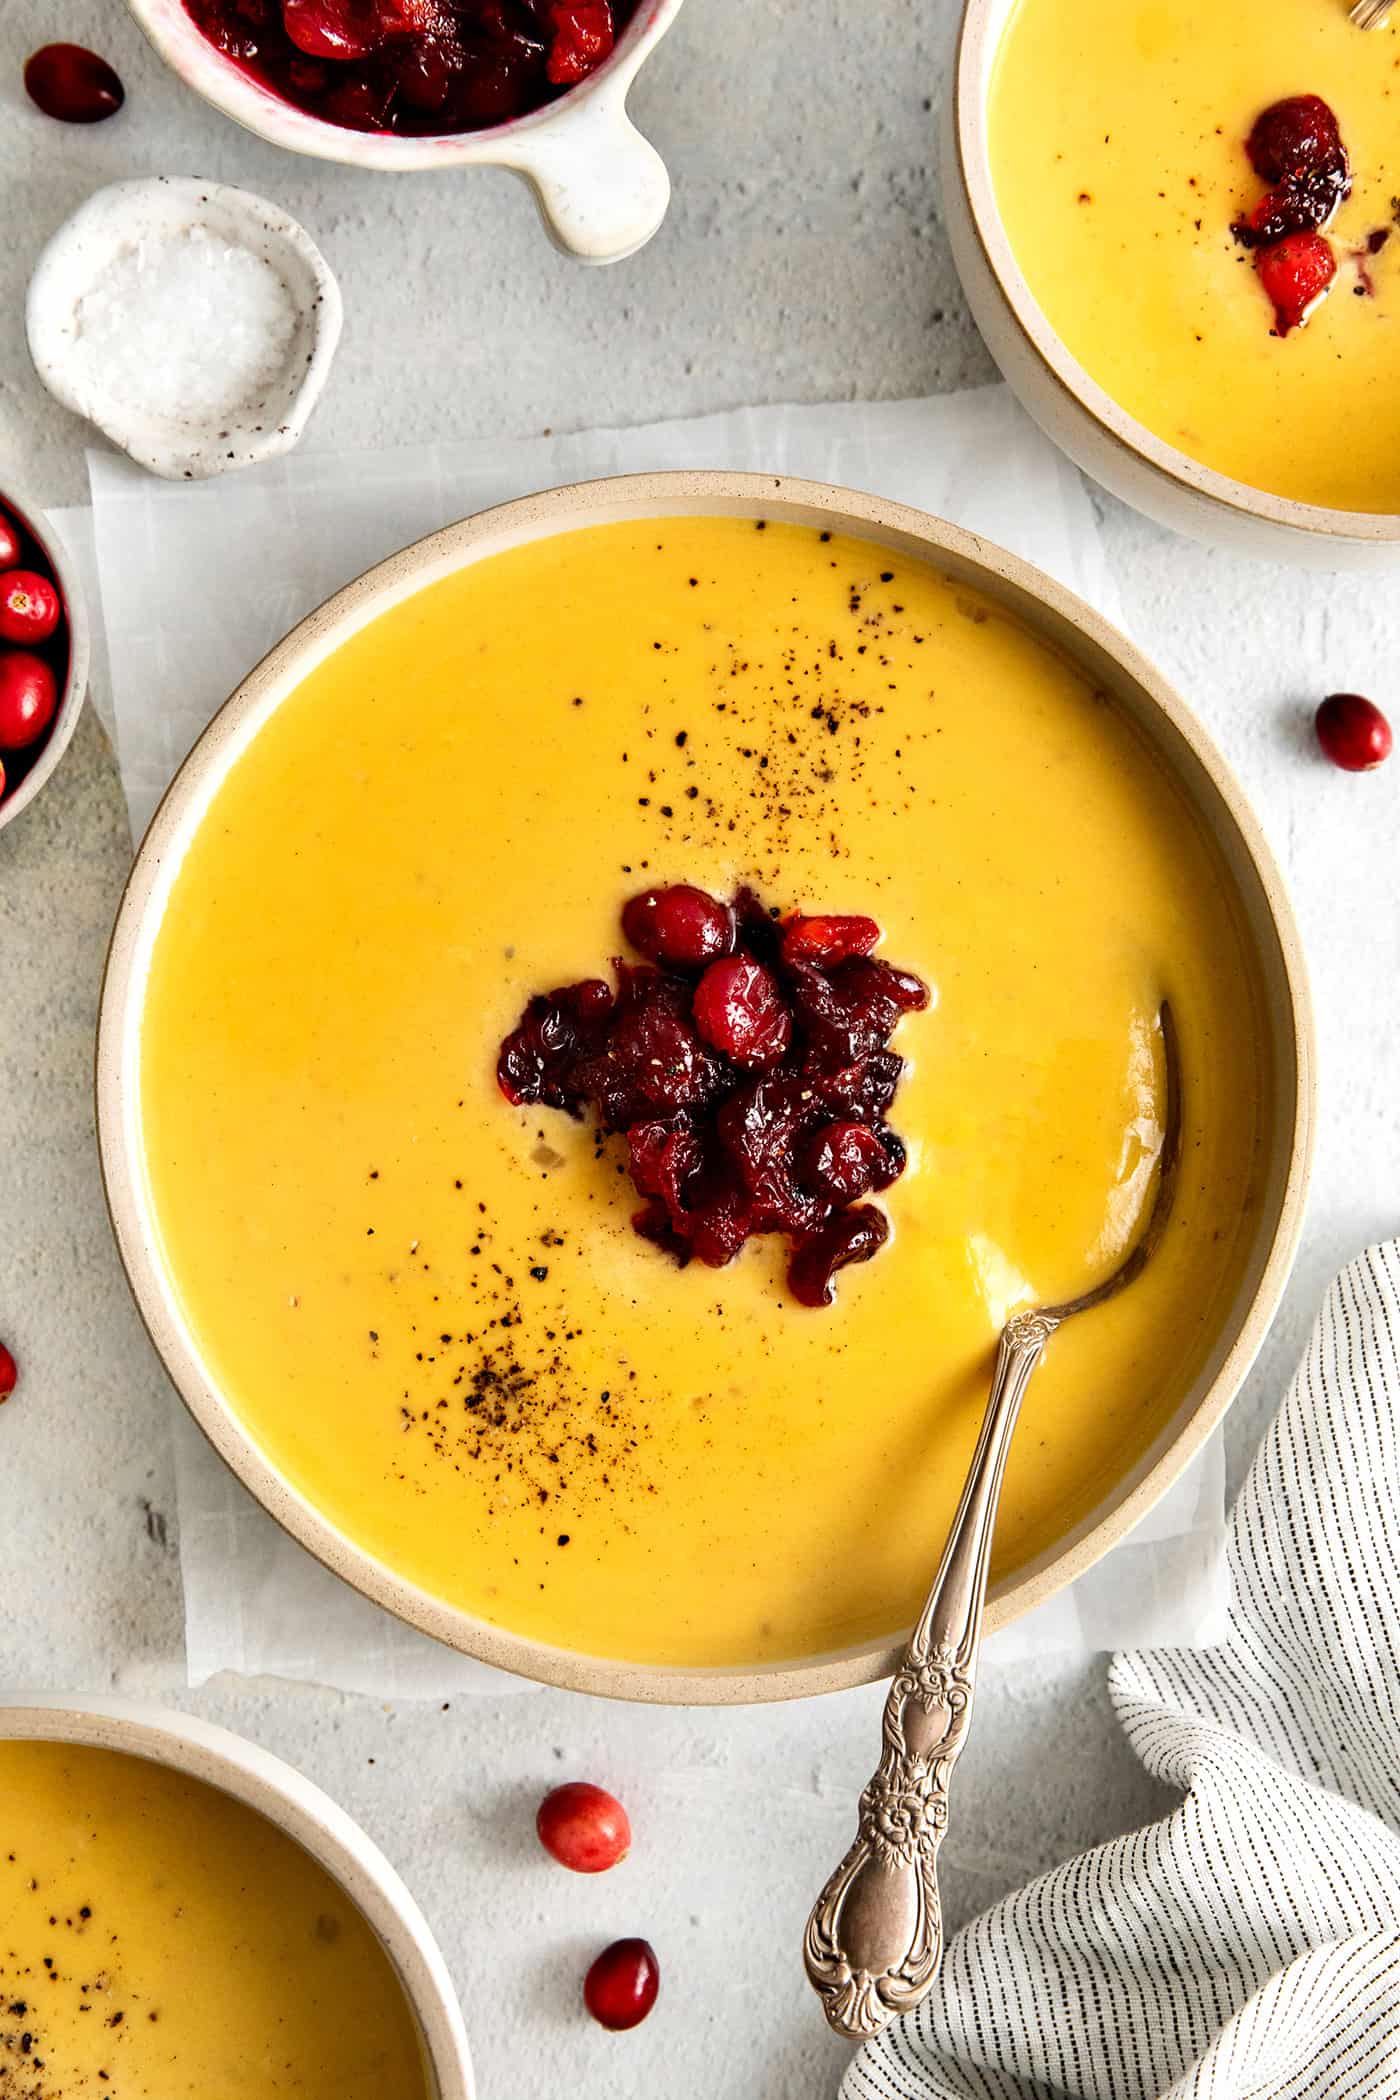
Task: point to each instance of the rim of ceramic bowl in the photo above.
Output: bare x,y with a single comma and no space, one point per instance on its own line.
1052,613
304,1813
17,500
982,27
189,53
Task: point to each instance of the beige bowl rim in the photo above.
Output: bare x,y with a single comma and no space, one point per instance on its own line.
983,23
1051,611
252,1775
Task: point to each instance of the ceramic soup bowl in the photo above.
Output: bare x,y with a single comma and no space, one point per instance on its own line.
1154,712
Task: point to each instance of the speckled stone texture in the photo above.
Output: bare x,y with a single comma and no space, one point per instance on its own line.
803,259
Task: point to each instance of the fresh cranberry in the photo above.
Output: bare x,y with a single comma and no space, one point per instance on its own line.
848,1236
582,37
620,1989
583,1827
338,29
680,925
1291,136
2,782
9,1373
1353,732
844,1161
739,1009
29,607
1295,273
28,697
72,84
829,940
10,544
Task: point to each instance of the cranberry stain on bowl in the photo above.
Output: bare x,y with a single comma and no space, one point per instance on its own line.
415,68
34,654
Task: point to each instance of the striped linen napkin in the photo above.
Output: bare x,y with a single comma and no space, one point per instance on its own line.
1248,1947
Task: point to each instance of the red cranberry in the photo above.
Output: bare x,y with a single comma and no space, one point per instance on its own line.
29,607
582,39
72,84
1292,136
28,696
583,1827
740,1010
9,1373
1353,732
829,940
680,925
848,1236
341,29
2,783
9,542
620,1989
844,1161
1295,273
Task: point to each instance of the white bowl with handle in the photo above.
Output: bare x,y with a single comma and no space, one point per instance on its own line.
602,189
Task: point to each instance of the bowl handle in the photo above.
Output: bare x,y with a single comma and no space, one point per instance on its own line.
602,189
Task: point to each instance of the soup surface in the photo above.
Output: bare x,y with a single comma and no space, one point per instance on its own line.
1117,142
159,1939
429,1308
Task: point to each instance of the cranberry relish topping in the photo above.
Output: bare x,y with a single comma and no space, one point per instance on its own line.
415,66
747,1061
1296,147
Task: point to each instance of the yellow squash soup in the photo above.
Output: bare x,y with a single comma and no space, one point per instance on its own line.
159,1939
429,1308
1117,143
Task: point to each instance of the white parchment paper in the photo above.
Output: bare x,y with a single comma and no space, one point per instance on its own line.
198,580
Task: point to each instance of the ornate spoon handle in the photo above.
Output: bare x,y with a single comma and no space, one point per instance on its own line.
875,1936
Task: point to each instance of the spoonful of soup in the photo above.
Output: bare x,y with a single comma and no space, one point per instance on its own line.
874,1939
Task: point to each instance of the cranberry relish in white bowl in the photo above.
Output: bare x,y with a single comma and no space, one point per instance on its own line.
537,86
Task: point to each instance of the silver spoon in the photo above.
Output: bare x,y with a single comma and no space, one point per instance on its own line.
875,1937
1371,14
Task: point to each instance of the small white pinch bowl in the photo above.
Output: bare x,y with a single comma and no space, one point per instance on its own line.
601,188
1070,407
177,443
262,1782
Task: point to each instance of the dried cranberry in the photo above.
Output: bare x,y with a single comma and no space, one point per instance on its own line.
681,925
829,940
849,1236
73,84
739,1009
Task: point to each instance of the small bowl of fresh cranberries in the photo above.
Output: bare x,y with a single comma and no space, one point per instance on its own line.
537,86
43,652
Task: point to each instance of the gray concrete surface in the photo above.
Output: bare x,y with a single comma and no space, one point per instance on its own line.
803,259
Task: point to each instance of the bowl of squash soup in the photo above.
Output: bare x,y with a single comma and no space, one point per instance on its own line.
614,1015
1177,231
180,1911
